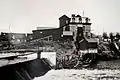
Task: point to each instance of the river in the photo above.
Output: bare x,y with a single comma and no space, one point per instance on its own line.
104,70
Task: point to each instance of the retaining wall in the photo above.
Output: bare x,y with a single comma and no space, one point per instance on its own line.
24,71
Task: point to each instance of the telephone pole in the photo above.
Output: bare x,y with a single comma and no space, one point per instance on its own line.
83,13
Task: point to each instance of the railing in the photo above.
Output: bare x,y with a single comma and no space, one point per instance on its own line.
83,20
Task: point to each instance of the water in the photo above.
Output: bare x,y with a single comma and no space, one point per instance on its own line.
83,74
113,64
104,70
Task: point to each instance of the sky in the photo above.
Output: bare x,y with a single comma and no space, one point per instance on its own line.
23,16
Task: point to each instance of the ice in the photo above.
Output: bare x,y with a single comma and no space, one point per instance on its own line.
84,74
51,56
4,62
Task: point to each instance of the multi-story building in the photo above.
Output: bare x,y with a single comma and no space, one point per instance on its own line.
72,28
77,27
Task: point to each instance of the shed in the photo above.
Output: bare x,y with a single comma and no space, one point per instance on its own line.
90,43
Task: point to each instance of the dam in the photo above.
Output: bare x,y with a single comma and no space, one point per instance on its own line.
25,66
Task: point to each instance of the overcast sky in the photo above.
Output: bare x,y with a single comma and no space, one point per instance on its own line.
26,15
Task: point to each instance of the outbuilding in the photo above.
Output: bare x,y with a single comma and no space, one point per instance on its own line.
89,45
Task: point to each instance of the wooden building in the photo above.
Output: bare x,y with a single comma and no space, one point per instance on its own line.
75,26
48,34
72,28
88,45
15,38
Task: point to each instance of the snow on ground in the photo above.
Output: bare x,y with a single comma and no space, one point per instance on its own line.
84,74
4,62
51,56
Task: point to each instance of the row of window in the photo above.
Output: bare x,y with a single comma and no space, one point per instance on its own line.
67,28
81,20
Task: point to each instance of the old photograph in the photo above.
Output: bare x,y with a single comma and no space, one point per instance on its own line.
59,40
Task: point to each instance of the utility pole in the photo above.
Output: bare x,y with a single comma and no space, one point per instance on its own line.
9,36
10,28
83,13
103,30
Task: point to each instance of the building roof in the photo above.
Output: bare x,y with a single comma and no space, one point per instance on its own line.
80,23
91,40
43,28
46,29
63,16
78,15
18,35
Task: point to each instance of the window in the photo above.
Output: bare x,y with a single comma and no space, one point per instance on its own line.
41,32
50,38
73,19
67,28
83,28
18,40
80,19
13,37
64,28
87,19
66,21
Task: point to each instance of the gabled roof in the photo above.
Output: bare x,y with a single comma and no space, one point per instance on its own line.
64,16
78,15
44,28
91,40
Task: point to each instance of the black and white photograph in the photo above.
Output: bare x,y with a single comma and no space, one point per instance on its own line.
59,40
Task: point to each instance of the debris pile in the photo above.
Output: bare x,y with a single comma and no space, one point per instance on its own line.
108,51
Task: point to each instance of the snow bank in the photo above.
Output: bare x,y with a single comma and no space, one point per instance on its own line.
19,59
51,56
84,74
